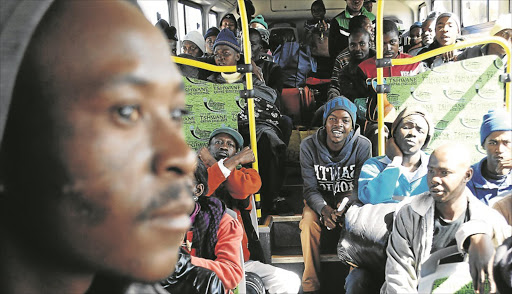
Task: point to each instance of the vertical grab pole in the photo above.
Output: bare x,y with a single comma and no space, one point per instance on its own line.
508,85
250,100
380,79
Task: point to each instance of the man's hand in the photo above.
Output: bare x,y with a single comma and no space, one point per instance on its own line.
256,70
504,166
448,56
245,156
481,255
392,149
330,216
206,157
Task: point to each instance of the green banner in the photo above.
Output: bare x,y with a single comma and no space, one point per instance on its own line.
457,95
210,106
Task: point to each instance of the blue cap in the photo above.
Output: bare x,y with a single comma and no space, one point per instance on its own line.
494,121
415,25
342,103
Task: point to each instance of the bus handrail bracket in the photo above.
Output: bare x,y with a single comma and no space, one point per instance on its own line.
383,62
505,78
246,93
244,68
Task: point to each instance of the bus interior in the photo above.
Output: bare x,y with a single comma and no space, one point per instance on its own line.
279,231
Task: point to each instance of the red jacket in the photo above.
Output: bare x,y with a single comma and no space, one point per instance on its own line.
227,265
240,184
370,69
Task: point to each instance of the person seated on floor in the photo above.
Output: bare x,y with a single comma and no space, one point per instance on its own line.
271,142
447,214
492,176
402,172
502,28
235,186
214,239
330,160
95,173
447,31
209,40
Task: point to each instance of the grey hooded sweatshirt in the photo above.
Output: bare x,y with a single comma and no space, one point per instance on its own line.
327,179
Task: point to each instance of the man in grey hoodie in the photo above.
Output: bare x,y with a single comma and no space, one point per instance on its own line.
331,160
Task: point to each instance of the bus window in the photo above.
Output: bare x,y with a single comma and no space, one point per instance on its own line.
212,19
153,8
442,6
497,8
422,11
474,12
190,19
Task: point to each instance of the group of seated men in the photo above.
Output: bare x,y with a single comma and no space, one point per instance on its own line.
96,180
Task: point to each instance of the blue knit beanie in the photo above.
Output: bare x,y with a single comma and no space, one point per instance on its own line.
213,31
230,131
342,103
226,37
494,121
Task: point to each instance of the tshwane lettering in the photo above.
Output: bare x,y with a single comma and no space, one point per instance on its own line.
335,179
209,106
211,118
456,95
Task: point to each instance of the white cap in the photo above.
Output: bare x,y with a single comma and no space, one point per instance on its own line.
502,23
196,38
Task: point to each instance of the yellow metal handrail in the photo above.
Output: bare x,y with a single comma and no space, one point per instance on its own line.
418,58
248,80
203,65
249,87
380,78
460,45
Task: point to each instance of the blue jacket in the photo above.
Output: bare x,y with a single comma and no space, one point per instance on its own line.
485,189
381,181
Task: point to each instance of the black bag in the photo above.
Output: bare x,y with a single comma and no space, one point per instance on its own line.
254,284
364,237
190,279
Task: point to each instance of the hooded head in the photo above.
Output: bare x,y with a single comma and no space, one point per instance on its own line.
196,38
408,111
228,21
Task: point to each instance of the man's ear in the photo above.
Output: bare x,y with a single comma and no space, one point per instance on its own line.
237,56
199,190
469,175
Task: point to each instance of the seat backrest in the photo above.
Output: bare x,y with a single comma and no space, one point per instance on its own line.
241,286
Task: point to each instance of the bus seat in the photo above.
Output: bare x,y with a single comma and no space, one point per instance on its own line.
241,285
299,104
